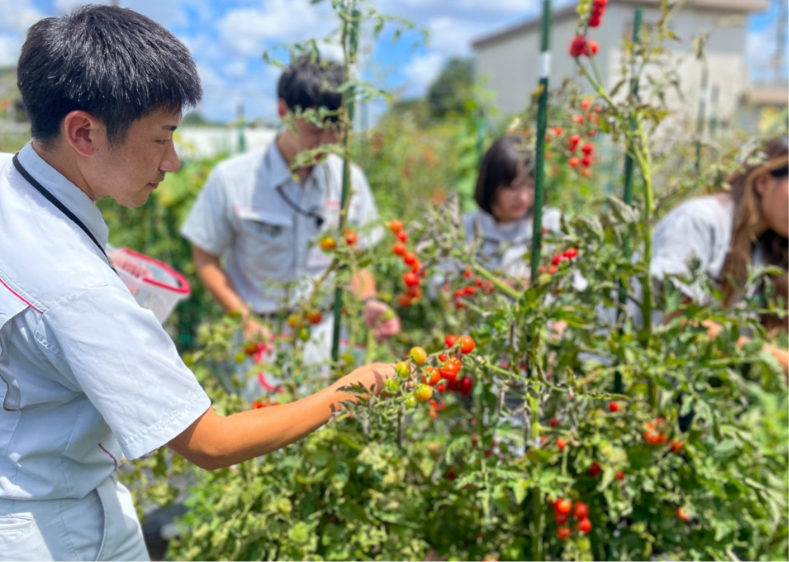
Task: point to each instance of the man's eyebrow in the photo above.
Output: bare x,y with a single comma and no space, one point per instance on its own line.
170,128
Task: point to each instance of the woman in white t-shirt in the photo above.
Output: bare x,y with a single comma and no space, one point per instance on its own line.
730,232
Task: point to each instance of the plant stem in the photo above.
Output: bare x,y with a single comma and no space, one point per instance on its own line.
503,287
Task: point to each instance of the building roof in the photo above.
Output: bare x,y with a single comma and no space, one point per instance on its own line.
739,6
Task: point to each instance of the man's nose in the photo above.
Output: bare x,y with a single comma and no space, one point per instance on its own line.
170,162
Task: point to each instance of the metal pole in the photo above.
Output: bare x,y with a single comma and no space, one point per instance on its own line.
628,195
346,170
242,141
700,117
714,99
542,126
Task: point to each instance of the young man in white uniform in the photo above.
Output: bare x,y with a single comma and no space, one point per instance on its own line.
86,375
264,219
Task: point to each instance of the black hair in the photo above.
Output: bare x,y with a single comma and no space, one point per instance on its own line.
311,83
499,168
111,62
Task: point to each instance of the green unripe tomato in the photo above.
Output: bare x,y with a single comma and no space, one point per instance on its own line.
403,370
392,385
240,357
304,334
410,401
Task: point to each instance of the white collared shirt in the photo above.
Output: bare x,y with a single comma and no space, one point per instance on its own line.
242,216
503,246
86,374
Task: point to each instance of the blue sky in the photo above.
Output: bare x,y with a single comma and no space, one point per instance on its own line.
227,37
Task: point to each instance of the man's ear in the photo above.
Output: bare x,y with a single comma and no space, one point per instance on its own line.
81,130
282,108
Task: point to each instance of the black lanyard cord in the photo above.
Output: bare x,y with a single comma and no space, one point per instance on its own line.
60,206
311,214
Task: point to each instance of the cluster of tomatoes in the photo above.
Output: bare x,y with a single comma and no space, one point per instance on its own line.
583,47
565,257
460,295
562,509
329,243
443,376
411,279
582,159
598,9
655,434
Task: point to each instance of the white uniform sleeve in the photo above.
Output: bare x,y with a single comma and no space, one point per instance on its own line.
366,212
209,225
123,360
683,234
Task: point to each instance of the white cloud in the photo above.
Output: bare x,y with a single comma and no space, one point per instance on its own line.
760,53
17,15
9,50
451,36
422,70
249,30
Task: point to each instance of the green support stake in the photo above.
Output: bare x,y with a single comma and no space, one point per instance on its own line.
542,126
346,176
628,195
700,117
242,144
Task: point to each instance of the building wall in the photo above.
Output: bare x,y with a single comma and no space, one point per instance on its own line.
512,63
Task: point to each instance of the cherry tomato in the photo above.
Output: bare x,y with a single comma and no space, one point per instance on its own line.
587,161
442,357
683,514
574,141
553,269
587,148
351,237
467,273
413,292
399,249
450,341
586,172
570,253
560,518
676,446
294,321
595,469
315,316
240,357
251,348
584,526
466,344
564,533
557,259
557,131
466,385
423,393
620,474
554,422
561,443
392,385
402,236
613,407
578,119
395,226
304,334
470,290
403,370
404,300
409,258
563,506
411,279
328,244
585,104
441,388
410,401
581,510
418,355
431,376
573,162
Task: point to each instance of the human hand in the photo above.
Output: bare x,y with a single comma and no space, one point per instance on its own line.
256,332
122,261
381,319
373,377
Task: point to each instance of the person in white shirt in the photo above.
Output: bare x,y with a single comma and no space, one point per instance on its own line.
256,224
87,376
503,225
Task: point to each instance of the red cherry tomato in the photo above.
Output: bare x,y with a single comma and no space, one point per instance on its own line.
581,510
431,376
571,253
411,279
613,407
351,237
409,258
560,518
683,514
395,226
584,526
563,506
564,533
620,474
402,236
573,162
466,385
595,469
399,249
450,341
554,422
561,443
466,344
587,148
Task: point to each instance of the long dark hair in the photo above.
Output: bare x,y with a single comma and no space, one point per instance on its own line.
744,230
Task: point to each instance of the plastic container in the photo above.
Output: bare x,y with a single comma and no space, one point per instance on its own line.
157,287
